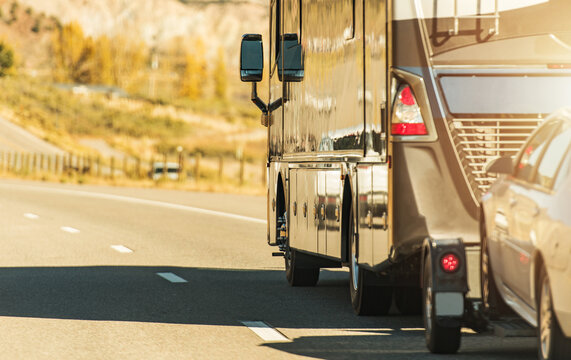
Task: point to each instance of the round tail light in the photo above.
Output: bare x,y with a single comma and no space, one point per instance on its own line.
450,263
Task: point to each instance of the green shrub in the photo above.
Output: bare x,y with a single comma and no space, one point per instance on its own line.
6,58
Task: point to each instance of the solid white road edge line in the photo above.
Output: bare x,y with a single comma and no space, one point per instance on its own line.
31,216
265,331
70,230
121,249
172,277
144,202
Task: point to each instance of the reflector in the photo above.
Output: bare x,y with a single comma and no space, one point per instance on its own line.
450,263
408,129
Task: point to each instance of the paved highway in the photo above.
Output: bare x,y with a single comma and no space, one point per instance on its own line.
15,139
108,273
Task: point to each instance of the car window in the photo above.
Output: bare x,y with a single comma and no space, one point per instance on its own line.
533,150
550,161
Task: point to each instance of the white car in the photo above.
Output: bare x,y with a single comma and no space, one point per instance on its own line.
172,171
526,236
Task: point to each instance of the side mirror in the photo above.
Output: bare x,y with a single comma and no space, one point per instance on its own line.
500,165
251,58
292,69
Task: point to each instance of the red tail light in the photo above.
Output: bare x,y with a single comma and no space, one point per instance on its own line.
407,119
450,263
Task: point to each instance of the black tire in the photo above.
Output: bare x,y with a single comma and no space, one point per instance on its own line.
408,300
494,305
440,338
551,342
365,299
299,274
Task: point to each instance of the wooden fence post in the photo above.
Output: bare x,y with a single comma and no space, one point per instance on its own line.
49,163
197,166
241,171
220,168
112,167
138,168
165,168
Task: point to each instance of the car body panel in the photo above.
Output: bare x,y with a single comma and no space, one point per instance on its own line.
528,222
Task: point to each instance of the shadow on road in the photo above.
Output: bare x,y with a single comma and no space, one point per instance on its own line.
225,297
210,297
401,346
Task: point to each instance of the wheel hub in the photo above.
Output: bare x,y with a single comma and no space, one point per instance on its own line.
546,319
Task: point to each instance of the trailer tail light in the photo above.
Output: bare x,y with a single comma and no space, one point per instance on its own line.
450,262
407,119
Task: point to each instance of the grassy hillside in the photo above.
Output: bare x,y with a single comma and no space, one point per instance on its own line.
137,126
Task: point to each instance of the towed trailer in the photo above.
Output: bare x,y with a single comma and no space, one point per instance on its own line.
381,115
447,308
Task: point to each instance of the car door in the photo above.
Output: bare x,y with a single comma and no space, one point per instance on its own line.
535,208
520,212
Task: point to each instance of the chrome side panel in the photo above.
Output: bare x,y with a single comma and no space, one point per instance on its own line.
303,230
375,95
315,212
324,113
321,202
333,190
275,132
272,187
381,214
365,210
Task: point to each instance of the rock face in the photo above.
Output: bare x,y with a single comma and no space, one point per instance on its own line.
217,23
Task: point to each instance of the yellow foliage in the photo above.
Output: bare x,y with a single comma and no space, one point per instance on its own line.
220,75
118,61
72,53
103,62
129,57
195,72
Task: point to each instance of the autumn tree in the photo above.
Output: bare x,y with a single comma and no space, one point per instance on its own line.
195,72
103,61
72,54
129,57
220,76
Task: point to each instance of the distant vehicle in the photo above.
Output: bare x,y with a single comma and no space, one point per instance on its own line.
158,171
526,241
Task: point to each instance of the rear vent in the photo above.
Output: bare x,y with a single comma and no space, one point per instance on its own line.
479,140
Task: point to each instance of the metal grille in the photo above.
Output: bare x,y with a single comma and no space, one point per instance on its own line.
479,140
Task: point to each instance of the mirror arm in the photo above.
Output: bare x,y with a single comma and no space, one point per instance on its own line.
266,109
276,104
256,100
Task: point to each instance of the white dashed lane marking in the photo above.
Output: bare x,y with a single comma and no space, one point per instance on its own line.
31,216
121,249
70,230
171,277
265,331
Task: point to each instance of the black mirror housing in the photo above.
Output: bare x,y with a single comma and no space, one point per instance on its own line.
251,58
292,69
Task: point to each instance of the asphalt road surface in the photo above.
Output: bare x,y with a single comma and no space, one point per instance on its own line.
107,273
15,139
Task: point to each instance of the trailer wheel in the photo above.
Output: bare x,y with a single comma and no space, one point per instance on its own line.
441,338
366,299
494,305
552,343
296,274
